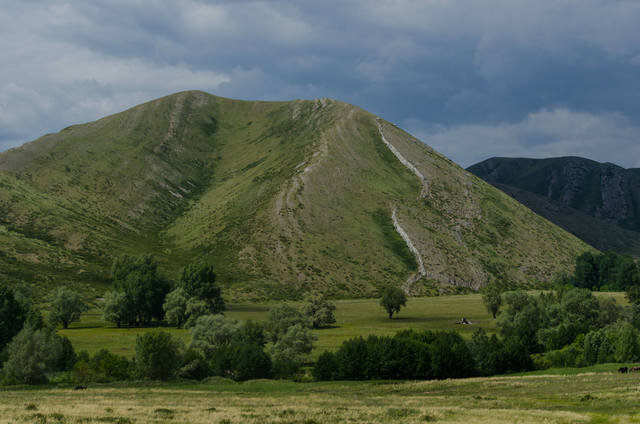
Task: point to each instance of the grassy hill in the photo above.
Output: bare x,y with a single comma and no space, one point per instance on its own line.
283,197
597,202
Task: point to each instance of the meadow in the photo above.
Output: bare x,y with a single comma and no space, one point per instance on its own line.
589,395
357,317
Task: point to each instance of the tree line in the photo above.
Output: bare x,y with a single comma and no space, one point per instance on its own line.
140,295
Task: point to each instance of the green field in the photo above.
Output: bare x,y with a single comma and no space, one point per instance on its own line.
354,318
596,395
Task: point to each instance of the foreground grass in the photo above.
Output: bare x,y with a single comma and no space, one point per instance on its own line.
359,317
601,397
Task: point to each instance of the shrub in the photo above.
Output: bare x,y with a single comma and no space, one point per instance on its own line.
241,362
212,332
194,366
175,307
103,367
32,353
289,351
12,315
326,367
157,355
281,318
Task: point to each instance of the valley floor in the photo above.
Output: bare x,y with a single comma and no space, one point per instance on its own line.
598,394
357,317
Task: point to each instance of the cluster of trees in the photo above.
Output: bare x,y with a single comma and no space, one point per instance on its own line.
220,346
605,271
29,346
563,328
420,355
139,291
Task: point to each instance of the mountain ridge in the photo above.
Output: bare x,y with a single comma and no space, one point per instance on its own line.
598,202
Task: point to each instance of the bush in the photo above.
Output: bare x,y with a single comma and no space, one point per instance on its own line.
450,356
33,353
175,307
241,362
157,355
194,366
103,367
326,367
281,318
625,343
12,315
212,332
289,351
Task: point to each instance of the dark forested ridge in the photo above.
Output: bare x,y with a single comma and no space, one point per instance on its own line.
598,202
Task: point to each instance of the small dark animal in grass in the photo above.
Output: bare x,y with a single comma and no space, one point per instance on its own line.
80,388
635,369
464,321
623,370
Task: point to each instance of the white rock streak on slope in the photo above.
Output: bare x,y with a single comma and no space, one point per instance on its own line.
405,162
394,216
421,270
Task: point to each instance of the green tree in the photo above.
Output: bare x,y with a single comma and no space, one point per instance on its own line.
194,310
12,315
392,299
158,355
66,307
117,308
625,343
289,351
521,319
492,298
213,332
175,307
144,287
633,294
319,310
198,280
627,273
609,311
586,273
325,367
281,318
34,352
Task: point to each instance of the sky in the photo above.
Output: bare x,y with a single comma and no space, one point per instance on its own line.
473,79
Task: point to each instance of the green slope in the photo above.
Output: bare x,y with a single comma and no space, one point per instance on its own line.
283,197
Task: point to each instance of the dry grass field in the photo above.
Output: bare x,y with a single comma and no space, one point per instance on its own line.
596,395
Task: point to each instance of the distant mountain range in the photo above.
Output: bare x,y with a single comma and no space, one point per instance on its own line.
282,197
598,202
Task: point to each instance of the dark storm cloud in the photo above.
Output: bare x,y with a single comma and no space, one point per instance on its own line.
472,78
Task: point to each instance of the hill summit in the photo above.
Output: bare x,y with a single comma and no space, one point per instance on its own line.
282,197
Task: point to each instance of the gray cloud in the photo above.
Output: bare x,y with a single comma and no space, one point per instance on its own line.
546,133
457,65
